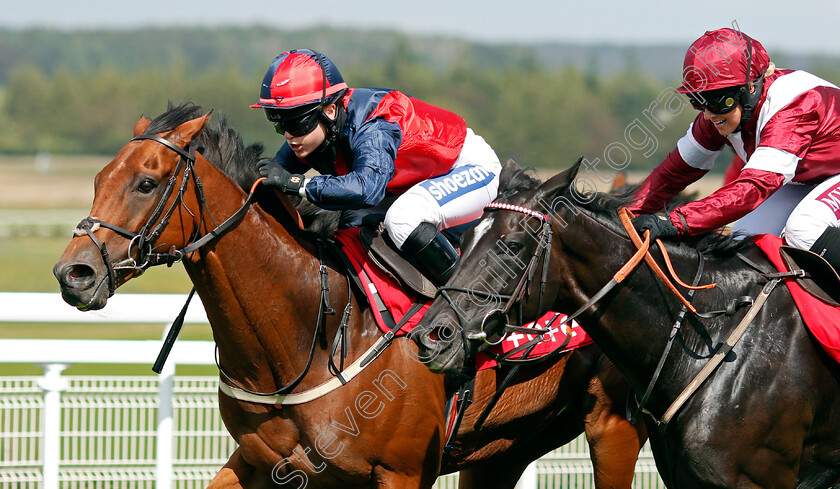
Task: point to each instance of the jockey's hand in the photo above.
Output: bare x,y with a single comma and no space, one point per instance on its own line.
659,225
277,176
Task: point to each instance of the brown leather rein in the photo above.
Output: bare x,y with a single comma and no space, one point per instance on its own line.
642,252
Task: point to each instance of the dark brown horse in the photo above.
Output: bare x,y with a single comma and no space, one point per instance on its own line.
265,285
767,417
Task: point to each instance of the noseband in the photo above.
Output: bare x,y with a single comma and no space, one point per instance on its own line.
143,239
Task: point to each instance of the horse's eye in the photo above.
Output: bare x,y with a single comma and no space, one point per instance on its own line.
147,185
514,246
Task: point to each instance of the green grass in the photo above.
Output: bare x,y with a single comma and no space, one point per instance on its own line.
26,266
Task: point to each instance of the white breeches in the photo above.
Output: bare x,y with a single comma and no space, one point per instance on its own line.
798,212
455,198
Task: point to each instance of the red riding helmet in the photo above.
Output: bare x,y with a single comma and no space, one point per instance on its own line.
299,77
719,59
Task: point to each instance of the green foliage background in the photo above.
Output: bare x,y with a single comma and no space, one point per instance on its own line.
81,92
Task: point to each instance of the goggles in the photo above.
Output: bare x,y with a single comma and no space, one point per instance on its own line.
298,125
720,101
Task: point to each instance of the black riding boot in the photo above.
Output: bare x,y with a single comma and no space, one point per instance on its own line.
432,252
828,246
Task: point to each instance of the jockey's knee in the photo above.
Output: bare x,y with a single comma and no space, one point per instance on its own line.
405,215
805,226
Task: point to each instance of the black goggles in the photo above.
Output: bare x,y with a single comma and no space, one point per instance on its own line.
720,101
298,125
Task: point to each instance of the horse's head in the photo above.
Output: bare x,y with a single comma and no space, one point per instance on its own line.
502,276
145,202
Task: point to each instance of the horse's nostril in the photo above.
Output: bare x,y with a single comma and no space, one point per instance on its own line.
78,273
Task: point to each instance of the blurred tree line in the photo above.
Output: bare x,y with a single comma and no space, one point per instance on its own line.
86,94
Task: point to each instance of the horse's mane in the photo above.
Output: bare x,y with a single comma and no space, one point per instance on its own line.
223,146
521,179
714,244
604,206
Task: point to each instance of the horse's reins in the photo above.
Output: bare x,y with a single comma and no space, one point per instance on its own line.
144,238
643,253
146,258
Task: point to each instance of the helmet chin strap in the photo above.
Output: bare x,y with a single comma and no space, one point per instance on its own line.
333,130
749,101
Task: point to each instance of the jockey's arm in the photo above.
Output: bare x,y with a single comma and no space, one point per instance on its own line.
374,149
727,204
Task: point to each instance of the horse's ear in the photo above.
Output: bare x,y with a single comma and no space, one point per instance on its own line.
186,132
141,125
510,167
560,182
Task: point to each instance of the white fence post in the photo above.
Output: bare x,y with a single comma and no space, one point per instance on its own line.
53,384
165,438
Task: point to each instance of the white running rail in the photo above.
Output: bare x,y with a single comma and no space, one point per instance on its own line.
120,431
54,356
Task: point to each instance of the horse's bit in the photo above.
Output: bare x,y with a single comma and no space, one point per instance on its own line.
543,248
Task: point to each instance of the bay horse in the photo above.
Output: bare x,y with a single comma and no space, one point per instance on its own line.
265,285
768,417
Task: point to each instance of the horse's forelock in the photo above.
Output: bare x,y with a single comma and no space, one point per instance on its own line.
219,143
174,117
522,179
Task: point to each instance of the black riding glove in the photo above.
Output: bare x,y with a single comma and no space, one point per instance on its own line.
277,176
659,225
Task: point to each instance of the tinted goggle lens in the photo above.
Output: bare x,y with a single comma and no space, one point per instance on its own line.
296,126
716,102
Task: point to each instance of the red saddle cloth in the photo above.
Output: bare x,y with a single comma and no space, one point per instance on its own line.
398,301
822,319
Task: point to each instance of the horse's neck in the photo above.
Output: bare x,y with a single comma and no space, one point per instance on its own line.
259,286
632,322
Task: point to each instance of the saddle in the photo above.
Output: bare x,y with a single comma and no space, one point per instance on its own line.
385,254
820,279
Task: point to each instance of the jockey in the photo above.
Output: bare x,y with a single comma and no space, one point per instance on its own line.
378,152
785,126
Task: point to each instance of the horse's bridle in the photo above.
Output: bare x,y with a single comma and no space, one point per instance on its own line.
144,239
625,215
523,286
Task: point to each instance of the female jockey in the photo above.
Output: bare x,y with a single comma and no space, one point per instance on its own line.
785,126
378,151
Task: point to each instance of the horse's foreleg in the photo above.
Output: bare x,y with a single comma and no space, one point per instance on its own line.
234,474
614,443
614,446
